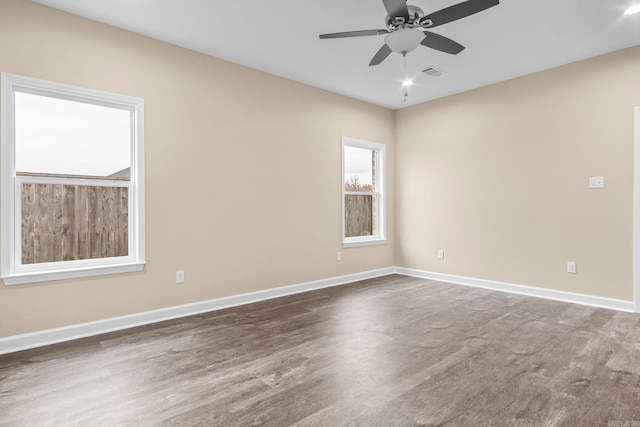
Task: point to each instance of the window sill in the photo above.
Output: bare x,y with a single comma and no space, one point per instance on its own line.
45,276
356,244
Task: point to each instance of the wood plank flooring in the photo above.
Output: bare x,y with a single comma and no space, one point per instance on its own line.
392,351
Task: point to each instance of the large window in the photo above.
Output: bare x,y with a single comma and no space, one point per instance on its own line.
362,193
72,181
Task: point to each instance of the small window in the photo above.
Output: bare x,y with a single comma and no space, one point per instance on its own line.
72,181
363,204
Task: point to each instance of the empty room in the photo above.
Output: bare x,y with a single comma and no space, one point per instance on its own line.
363,213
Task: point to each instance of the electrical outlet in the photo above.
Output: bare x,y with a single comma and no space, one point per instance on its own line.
571,267
441,253
338,256
180,276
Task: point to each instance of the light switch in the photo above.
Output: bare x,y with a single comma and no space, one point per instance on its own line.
596,182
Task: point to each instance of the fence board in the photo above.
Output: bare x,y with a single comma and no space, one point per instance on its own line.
70,222
358,215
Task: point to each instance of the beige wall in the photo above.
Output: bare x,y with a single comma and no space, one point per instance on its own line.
242,171
498,178
243,174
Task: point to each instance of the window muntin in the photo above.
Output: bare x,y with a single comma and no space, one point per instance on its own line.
362,192
72,181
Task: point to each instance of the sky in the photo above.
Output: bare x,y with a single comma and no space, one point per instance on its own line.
73,138
357,162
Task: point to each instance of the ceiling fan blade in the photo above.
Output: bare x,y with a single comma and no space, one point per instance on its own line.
397,8
381,55
353,34
457,11
441,43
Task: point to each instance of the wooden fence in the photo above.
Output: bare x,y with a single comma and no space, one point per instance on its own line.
359,218
72,222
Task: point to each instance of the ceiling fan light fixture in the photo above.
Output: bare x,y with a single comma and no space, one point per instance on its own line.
633,9
407,82
404,40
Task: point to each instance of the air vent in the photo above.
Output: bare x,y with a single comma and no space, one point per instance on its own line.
433,72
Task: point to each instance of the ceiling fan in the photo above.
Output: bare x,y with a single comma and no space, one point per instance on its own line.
403,23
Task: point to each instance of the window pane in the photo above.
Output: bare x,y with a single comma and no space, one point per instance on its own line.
359,167
360,215
72,222
56,136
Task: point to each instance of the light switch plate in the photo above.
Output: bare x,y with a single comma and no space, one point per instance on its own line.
596,182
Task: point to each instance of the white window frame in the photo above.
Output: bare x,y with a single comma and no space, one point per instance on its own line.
12,271
379,192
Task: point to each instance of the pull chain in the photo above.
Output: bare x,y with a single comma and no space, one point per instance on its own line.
404,61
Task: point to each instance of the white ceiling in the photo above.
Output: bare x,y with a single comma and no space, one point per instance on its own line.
280,37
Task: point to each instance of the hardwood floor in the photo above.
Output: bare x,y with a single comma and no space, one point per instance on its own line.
393,351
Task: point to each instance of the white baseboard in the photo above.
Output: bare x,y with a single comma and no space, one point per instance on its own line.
613,304
52,336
